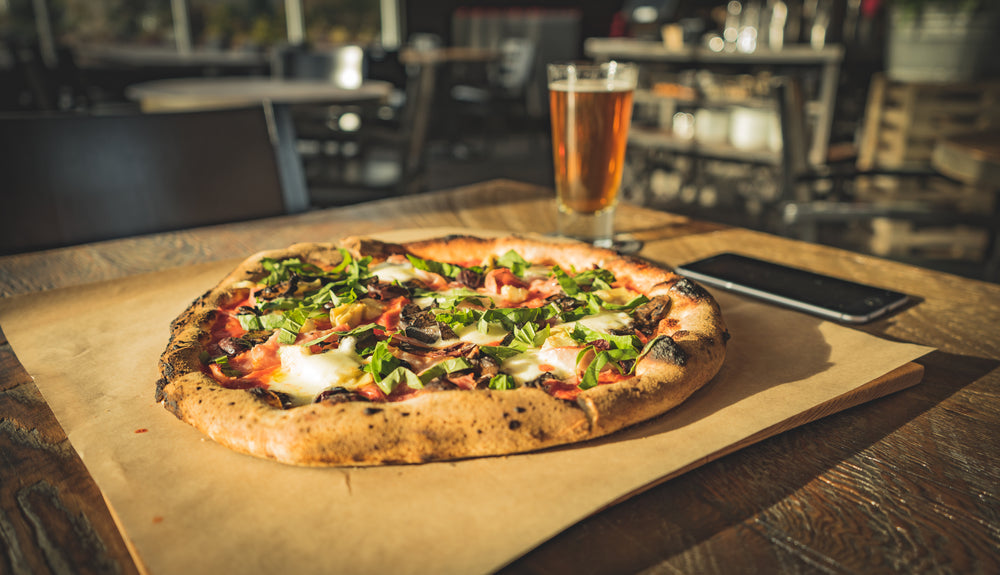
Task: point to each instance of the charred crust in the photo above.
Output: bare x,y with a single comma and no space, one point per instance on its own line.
514,425
160,395
373,410
690,290
372,247
665,349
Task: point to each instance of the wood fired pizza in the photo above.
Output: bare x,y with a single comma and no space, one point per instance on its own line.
370,353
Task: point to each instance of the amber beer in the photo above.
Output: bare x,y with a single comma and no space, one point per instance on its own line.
590,123
589,133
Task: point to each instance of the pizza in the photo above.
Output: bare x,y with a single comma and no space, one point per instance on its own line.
374,353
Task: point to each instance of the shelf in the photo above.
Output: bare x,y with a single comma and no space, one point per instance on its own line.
651,97
788,61
649,138
653,51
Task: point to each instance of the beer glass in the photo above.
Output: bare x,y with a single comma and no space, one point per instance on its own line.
591,108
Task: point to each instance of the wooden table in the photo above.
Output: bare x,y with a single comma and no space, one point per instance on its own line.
168,57
213,93
907,483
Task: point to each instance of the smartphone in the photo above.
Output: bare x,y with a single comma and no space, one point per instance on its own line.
825,296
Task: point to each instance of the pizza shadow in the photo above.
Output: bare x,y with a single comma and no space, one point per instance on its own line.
760,355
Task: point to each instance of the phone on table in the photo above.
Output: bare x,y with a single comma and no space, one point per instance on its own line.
825,296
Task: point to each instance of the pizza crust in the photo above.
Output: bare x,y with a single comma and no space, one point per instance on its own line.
451,424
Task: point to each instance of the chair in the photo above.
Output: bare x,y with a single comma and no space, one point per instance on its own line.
358,152
500,104
816,196
43,86
70,179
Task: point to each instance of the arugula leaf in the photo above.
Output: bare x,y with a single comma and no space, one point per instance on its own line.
601,359
272,320
447,366
249,321
584,281
223,362
459,317
514,262
530,337
591,306
584,334
279,303
294,319
629,306
594,279
345,260
567,283
499,352
281,270
397,376
623,347
502,381
351,268
511,317
388,371
441,268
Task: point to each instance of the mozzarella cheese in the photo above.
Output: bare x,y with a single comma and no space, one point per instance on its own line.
537,272
394,271
471,334
527,366
304,375
604,321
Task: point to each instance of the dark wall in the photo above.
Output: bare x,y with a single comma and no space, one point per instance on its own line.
434,16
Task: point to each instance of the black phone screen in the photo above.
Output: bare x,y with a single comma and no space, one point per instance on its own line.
849,301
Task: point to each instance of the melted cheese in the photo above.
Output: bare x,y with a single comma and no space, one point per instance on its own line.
304,375
537,272
602,322
527,366
394,271
471,334
605,321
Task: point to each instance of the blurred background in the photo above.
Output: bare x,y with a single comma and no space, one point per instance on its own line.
865,124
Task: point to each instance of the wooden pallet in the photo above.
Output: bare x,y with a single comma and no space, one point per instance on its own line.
895,238
938,193
904,120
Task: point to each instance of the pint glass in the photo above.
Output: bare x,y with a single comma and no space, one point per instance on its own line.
591,108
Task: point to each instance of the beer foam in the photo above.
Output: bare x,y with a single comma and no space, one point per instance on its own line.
590,85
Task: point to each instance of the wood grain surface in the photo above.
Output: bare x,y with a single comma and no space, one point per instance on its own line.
902,484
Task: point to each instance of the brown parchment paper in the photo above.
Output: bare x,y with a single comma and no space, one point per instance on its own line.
188,505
